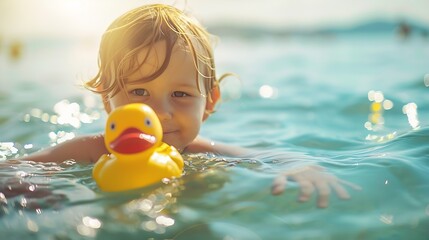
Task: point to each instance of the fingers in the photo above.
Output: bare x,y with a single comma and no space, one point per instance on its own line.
307,189
324,191
314,179
340,191
279,185
349,184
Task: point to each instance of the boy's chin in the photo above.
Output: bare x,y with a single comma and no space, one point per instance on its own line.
174,141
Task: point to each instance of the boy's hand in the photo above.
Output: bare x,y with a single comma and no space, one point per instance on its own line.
311,178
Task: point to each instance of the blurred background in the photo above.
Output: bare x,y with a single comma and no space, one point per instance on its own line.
30,27
80,18
281,49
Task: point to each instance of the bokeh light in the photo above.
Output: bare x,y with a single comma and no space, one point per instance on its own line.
66,113
410,110
379,104
267,91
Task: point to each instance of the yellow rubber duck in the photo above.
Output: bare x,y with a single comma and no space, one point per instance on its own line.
138,156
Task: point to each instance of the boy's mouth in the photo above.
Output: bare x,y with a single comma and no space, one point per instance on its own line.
169,132
132,140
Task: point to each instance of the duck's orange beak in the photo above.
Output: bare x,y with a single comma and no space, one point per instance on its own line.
132,141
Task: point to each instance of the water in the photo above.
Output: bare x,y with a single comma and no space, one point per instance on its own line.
309,95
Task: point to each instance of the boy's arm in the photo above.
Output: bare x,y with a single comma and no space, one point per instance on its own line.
310,177
81,149
201,145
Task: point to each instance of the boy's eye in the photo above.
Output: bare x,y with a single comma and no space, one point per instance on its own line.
180,94
140,92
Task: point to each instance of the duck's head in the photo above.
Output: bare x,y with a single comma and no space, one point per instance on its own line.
132,130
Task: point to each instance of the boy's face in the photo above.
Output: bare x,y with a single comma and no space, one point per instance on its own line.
174,95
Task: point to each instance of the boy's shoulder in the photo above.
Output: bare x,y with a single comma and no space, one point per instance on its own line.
86,141
82,149
93,144
96,138
87,148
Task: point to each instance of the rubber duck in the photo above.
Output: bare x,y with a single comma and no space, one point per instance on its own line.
138,157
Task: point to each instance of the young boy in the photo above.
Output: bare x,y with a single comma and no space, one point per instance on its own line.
157,55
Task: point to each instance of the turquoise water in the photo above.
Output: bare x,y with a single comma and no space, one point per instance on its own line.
310,95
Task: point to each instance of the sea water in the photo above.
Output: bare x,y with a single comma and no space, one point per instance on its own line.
356,103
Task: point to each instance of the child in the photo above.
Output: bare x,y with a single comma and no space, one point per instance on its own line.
158,55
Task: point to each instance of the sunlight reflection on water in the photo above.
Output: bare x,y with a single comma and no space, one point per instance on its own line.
410,110
376,120
66,113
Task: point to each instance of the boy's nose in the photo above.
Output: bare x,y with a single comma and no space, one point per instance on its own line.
162,109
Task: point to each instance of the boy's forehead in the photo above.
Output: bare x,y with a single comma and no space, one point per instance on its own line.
150,59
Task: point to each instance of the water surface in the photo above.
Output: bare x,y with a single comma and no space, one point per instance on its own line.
320,97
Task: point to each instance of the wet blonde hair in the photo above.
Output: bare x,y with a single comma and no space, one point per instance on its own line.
140,29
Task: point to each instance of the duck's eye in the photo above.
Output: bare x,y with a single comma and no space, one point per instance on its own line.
147,122
112,126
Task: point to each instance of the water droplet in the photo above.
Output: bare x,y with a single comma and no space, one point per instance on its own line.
27,117
387,219
91,222
28,146
32,188
149,225
166,221
21,174
426,80
3,199
146,205
85,230
32,226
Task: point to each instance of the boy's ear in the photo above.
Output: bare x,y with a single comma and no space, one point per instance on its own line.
211,102
106,104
